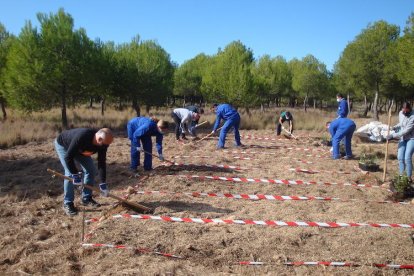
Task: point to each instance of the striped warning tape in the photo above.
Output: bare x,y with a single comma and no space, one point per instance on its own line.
237,168
141,250
394,266
261,197
209,157
262,222
312,171
274,181
263,138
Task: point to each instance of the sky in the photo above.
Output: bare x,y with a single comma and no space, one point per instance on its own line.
186,28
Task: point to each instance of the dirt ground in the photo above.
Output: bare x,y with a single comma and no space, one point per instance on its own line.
36,237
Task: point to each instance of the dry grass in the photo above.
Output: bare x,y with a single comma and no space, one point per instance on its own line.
22,128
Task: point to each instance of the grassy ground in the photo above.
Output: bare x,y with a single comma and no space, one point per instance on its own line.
22,128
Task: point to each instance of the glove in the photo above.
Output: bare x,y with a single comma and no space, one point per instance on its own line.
77,178
396,128
138,149
212,132
104,189
161,157
389,137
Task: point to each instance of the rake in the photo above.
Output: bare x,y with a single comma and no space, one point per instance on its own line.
135,206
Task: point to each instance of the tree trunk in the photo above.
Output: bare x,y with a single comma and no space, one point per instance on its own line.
305,102
349,104
261,108
136,107
3,109
314,104
375,106
103,106
248,111
90,102
148,108
63,107
366,106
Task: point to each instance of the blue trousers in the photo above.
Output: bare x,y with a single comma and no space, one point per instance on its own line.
405,157
233,122
146,143
339,135
89,172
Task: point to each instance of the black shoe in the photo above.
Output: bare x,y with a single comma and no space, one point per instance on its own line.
70,209
90,202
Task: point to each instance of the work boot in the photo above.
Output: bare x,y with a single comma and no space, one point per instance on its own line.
90,202
70,209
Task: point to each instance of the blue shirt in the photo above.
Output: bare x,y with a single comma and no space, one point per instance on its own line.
225,112
342,109
141,126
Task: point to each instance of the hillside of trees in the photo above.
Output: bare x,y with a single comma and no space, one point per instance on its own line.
56,65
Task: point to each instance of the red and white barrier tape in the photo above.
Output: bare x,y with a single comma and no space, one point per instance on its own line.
237,168
394,266
262,222
316,171
262,197
262,138
209,157
142,250
274,181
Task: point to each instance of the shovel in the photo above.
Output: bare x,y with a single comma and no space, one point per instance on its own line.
134,206
208,135
296,138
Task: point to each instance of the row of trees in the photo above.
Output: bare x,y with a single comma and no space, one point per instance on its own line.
60,66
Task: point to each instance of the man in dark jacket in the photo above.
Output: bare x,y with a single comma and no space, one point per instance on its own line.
79,145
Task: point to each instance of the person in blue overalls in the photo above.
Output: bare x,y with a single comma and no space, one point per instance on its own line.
140,129
232,120
342,106
339,129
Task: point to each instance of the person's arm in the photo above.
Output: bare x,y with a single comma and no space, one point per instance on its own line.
158,143
217,122
291,125
409,127
280,120
73,149
102,163
185,121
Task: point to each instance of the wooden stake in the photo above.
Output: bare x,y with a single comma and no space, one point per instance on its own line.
132,205
200,124
294,137
208,135
386,143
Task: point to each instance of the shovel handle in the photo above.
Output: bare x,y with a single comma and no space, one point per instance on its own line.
208,135
135,205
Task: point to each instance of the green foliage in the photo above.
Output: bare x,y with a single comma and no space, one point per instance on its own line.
368,159
310,78
361,68
229,78
188,77
272,77
401,183
49,68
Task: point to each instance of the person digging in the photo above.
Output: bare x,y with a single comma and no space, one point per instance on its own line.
78,145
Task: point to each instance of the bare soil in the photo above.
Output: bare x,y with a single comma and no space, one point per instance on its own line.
36,237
